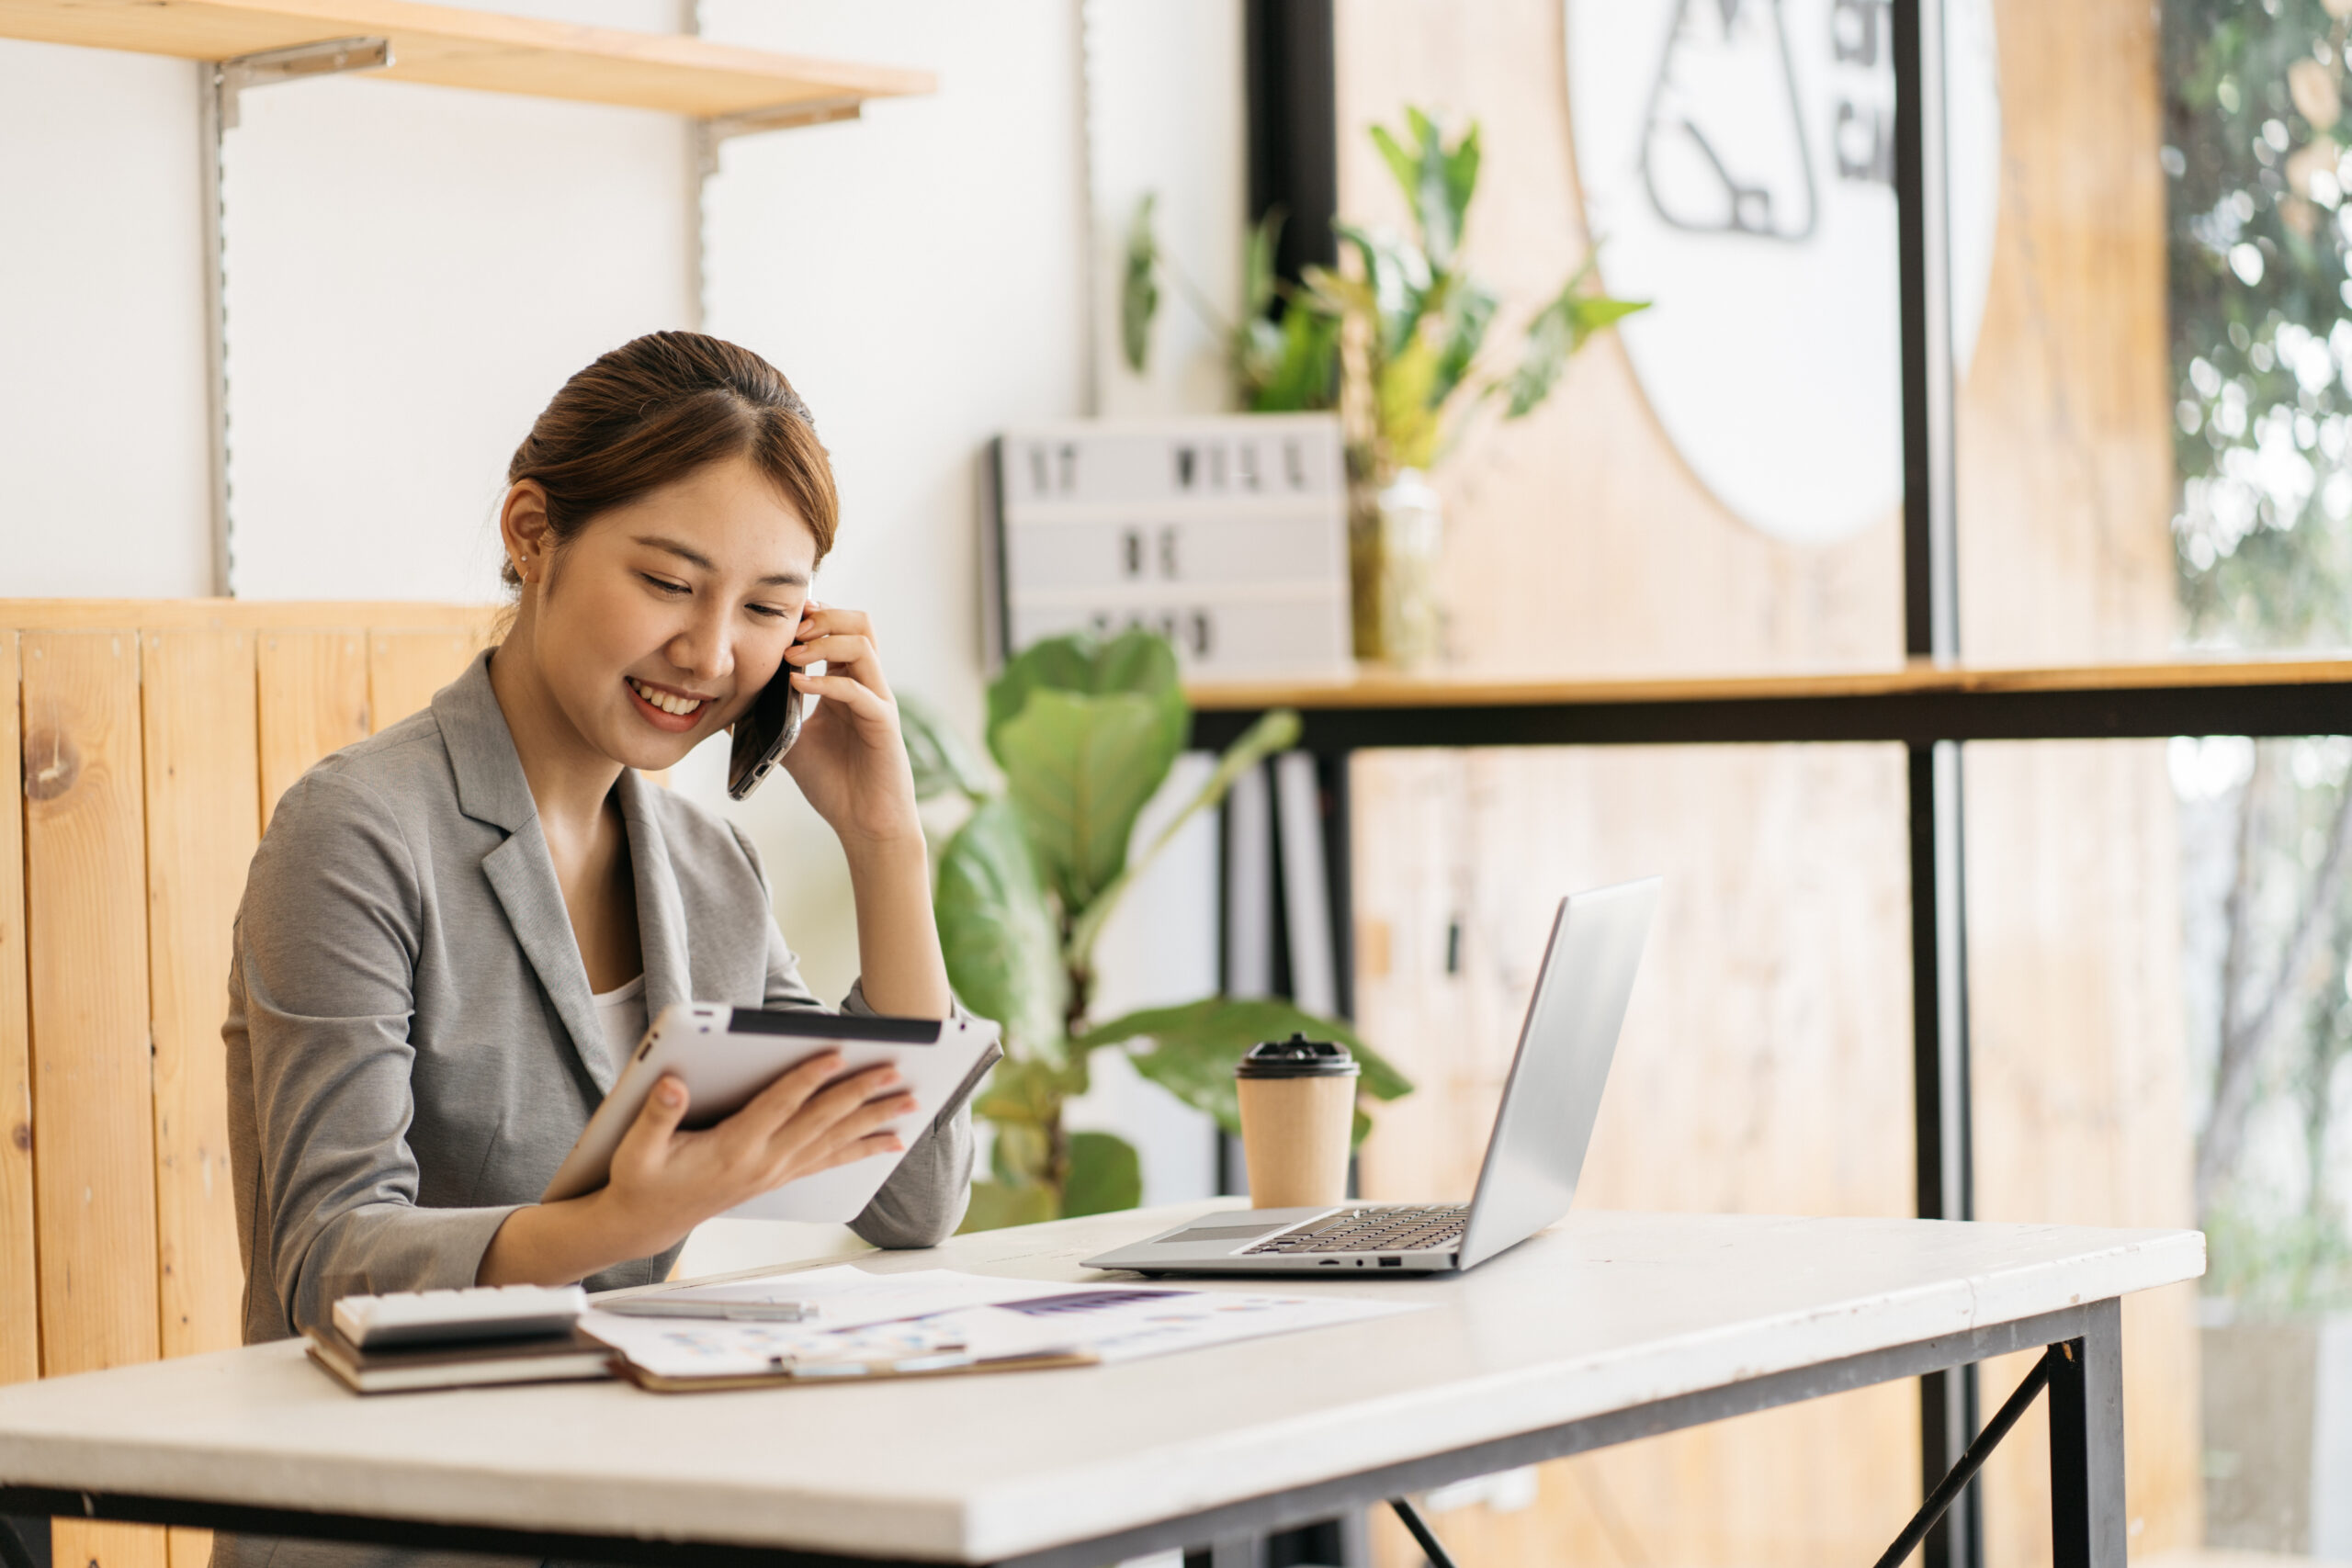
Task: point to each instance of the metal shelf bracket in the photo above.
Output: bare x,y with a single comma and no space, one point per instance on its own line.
218,83
331,58
710,133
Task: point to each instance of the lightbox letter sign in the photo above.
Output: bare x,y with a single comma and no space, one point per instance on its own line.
1226,533
1737,158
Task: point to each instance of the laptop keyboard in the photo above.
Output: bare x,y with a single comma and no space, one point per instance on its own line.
1384,1228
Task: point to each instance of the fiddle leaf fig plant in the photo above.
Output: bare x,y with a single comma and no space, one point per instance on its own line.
1084,733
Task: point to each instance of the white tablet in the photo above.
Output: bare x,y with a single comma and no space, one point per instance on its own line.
727,1055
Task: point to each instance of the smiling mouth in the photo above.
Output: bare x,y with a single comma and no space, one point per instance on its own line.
668,702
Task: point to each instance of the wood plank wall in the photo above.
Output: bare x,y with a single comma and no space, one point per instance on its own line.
148,742
1764,1066
20,1298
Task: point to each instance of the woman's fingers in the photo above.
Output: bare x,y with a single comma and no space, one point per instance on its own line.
837,649
864,1131
851,1153
852,694
819,620
841,655
854,1106
657,1119
781,1100
843,639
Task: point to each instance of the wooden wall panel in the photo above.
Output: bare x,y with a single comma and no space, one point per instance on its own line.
2077,1041
19,1315
93,1101
312,697
2066,483
1755,1076
2066,493
86,930
405,667
1576,539
203,793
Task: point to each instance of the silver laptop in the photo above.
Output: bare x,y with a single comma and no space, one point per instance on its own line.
1533,1155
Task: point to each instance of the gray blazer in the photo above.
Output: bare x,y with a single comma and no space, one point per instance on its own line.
412,1042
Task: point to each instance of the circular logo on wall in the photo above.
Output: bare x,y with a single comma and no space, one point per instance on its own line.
1737,158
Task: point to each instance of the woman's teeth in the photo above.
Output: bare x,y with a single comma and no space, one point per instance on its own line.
664,700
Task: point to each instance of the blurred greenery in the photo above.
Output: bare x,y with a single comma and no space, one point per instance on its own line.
2260,343
1420,318
2261,350
1085,733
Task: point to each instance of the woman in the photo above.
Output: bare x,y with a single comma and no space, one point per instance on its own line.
453,932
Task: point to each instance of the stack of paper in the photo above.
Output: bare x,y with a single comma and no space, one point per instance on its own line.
936,1320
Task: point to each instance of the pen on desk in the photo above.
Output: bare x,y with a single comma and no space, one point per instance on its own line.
729,1312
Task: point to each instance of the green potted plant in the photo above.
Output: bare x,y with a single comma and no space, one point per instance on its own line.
1404,326
1084,733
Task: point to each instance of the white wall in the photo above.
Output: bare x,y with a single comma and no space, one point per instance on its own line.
102,372
413,271
1166,114
913,274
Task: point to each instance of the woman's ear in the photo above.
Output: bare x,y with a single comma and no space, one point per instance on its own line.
523,530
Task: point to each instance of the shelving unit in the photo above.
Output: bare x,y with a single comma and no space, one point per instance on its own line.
1924,701
451,48
239,45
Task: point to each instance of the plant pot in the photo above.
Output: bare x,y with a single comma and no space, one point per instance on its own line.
1396,533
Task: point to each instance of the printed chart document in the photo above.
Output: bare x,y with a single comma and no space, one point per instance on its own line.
937,1319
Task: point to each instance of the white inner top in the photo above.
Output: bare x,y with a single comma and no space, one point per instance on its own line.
622,1012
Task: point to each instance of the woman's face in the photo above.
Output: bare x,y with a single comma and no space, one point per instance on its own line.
662,619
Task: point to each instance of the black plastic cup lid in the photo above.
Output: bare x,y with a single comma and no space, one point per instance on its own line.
1297,1058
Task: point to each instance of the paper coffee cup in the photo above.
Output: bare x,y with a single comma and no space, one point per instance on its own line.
1298,1105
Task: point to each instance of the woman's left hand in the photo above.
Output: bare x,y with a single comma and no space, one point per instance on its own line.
850,761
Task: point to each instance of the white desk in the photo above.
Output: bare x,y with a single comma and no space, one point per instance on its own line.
1610,1327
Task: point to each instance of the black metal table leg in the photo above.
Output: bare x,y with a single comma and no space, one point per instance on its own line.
2087,1520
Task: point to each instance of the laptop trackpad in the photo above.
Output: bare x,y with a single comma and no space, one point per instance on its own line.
1225,1233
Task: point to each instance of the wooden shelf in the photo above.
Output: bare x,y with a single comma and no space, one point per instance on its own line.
241,615
1375,689
451,48
1912,704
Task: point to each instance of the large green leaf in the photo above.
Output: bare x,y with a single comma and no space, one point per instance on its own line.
1258,281
1462,175
941,759
1402,404
1134,660
1021,1153
1555,335
1194,1047
1469,310
1031,1092
1302,363
1399,279
1404,166
1274,731
1140,286
1003,949
996,1205
1079,769
1105,1173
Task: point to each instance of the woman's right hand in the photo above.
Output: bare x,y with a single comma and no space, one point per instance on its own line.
665,1181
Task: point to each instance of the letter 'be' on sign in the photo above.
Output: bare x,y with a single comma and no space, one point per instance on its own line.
1737,158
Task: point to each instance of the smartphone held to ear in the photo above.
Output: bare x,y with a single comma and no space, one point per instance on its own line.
763,735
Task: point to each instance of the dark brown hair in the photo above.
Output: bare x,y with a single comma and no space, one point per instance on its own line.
655,410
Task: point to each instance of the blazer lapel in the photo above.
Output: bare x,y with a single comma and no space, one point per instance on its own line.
660,909
523,875
492,788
